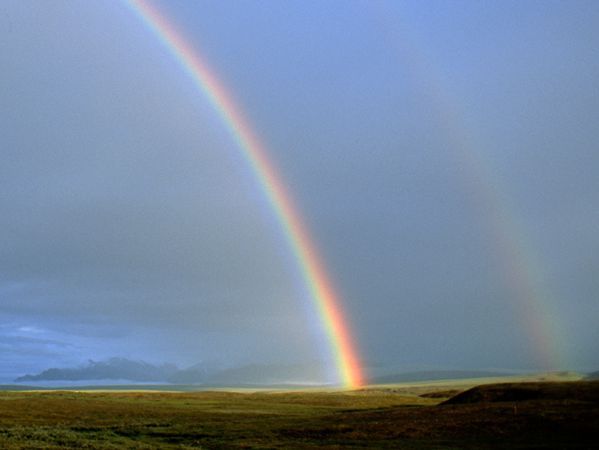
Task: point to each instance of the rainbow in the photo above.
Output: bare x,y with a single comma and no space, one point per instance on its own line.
313,271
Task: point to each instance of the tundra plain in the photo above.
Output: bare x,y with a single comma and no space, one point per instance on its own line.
446,415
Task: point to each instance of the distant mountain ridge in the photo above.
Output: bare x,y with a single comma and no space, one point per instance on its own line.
125,370
143,372
111,369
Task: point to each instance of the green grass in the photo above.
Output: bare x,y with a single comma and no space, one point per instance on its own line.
141,419
377,417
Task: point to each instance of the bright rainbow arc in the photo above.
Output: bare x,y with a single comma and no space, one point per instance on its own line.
310,264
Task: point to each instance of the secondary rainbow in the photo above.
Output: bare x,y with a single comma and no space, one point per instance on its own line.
533,301
310,264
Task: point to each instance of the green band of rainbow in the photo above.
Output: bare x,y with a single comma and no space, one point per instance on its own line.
312,268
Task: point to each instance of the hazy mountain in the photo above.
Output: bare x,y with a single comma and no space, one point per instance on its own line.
432,375
202,373
195,374
253,374
112,369
270,374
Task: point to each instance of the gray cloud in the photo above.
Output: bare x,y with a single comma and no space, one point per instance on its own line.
131,225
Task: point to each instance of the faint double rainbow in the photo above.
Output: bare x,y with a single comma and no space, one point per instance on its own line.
533,301
310,264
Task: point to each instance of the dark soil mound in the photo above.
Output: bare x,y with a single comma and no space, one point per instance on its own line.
441,394
580,391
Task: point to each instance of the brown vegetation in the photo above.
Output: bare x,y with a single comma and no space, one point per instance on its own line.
556,415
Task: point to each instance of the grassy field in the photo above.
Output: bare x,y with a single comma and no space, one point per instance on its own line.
516,415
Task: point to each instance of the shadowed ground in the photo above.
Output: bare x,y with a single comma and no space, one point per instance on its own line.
514,415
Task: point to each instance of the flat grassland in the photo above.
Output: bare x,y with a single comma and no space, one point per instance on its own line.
511,415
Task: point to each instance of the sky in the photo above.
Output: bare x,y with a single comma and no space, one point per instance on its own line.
442,154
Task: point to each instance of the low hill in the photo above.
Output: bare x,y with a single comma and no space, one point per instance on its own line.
581,391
